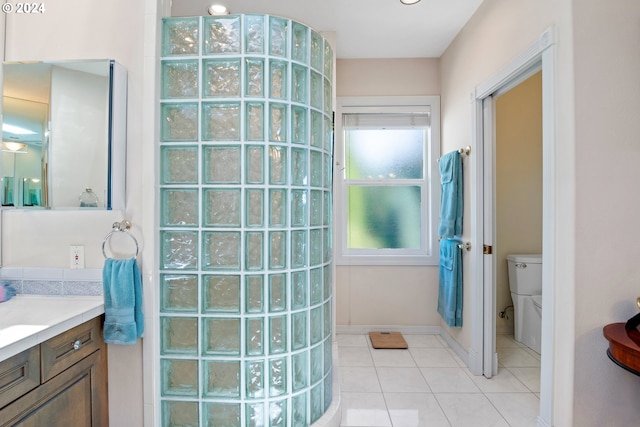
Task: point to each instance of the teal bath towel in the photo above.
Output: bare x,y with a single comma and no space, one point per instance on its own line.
450,282
452,205
124,321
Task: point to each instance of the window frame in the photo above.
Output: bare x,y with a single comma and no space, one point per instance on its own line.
430,188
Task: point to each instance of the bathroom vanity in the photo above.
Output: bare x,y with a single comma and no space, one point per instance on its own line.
53,362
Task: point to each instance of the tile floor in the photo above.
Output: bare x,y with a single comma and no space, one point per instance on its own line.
429,385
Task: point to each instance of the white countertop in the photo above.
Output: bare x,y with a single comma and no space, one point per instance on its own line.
28,320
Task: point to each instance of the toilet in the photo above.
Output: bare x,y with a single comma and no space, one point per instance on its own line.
525,283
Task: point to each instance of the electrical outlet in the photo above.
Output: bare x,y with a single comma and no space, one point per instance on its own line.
76,256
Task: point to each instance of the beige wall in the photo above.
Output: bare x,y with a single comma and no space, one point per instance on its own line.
380,296
518,176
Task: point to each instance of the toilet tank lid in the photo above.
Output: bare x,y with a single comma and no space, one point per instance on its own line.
527,258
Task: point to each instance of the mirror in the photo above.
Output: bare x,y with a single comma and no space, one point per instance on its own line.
63,135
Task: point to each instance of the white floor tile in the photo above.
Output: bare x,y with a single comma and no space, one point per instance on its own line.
415,410
530,377
449,380
407,380
504,382
364,410
422,341
519,409
352,340
503,340
359,379
355,356
433,358
470,410
517,357
396,358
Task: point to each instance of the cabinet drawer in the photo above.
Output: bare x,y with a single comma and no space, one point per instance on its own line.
66,349
19,374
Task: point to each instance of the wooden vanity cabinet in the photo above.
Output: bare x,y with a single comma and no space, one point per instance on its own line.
72,386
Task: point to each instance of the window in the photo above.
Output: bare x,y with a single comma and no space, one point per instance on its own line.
387,199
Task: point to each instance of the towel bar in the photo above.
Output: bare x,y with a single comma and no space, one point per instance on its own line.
122,226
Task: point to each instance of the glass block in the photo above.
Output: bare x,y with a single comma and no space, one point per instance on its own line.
315,207
254,245
254,34
328,97
328,356
221,78
298,290
327,319
298,248
255,337
278,28
316,364
278,79
179,377
299,331
299,208
180,414
326,243
277,292
315,247
316,128
328,392
221,207
179,165
220,294
327,212
278,414
255,415
255,207
316,403
328,282
300,370
221,378
222,164
299,174
179,122
278,334
277,208
328,170
221,34
277,165
316,285
255,379
254,122
328,134
277,377
221,250
328,61
221,121
316,325
179,250
179,79
179,335
298,125
316,169
299,411
277,250
180,36
277,122
254,77
218,414
299,83
316,94
254,164
179,293
254,294
179,207
299,44
221,336
317,51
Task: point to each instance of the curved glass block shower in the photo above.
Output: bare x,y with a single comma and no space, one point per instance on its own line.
245,306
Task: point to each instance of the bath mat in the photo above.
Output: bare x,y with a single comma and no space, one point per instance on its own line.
388,340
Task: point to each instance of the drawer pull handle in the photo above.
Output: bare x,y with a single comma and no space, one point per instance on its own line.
76,345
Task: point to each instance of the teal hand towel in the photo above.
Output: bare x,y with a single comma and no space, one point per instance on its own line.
123,317
451,199
450,282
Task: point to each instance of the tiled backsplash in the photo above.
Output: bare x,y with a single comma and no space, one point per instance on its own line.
53,281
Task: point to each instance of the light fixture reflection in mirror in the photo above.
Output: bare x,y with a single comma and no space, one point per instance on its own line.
14,147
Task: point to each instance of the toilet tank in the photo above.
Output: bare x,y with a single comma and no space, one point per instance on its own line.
525,273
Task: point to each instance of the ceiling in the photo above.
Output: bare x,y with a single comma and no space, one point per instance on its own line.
363,28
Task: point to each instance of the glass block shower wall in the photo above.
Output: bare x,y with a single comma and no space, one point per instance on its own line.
245,237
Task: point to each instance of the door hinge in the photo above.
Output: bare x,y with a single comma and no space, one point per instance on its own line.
487,249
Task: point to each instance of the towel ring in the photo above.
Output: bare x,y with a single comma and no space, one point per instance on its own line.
122,226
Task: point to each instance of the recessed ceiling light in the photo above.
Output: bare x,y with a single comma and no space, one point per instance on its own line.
217,10
409,1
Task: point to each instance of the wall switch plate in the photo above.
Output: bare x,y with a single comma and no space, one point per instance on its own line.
76,257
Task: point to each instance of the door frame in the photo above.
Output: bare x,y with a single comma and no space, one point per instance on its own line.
482,354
